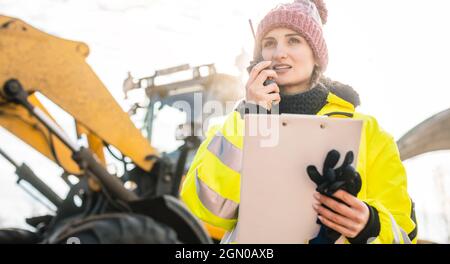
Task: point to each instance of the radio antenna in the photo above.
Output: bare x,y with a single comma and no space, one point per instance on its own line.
251,27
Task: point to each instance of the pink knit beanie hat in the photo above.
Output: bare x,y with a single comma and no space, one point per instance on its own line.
303,16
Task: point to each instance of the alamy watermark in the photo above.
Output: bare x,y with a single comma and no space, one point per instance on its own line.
199,113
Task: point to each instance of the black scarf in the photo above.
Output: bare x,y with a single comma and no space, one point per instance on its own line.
306,103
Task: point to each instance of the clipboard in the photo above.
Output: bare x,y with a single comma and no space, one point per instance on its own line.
276,191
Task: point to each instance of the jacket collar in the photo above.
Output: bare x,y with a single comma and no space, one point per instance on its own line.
343,91
341,99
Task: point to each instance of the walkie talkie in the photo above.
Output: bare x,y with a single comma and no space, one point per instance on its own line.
258,60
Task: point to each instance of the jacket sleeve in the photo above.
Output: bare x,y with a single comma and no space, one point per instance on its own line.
387,193
211,189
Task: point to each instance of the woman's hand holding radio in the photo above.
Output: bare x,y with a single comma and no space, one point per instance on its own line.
260,87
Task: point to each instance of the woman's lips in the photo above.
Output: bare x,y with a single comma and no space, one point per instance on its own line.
282,68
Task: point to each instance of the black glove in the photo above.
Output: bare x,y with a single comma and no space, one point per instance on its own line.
343,178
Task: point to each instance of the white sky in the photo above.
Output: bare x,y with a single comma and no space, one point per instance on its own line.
393,52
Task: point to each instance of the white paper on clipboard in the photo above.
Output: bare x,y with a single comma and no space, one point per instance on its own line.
276,192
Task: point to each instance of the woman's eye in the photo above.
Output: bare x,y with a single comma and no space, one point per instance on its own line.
294,41
268,44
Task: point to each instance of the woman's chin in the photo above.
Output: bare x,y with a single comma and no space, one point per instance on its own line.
284,83
289,81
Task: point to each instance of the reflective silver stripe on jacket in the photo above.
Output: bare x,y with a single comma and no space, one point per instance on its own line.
230,236
214,202
226,152
406,239
394,230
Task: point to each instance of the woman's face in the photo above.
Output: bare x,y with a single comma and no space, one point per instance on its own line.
291,57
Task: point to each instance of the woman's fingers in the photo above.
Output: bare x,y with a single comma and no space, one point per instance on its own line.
271,88
270,100
275,98
257,69
348,217
335,218
265,97
349,199
264,75
337,207
338,228
257,92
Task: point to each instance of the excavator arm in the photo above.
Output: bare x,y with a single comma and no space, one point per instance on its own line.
56,68
20,123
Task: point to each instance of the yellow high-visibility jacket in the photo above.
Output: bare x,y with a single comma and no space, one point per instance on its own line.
211,189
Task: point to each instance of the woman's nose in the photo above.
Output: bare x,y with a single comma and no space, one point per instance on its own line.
279,53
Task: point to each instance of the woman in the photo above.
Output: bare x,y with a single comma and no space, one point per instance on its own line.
290,43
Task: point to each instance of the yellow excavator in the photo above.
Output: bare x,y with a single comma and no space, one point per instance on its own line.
140,206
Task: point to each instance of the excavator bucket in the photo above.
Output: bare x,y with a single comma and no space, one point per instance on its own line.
430,135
